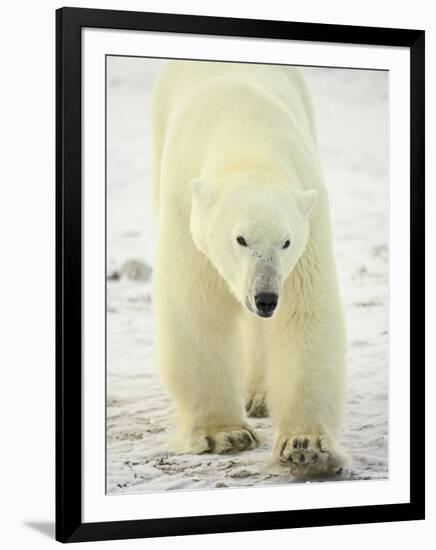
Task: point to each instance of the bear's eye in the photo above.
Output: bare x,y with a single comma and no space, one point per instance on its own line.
286,243
240,240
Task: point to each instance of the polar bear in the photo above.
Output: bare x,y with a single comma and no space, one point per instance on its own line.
245,287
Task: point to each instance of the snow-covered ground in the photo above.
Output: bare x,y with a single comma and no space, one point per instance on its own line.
352,117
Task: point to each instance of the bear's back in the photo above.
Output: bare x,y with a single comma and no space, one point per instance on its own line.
179,80
210,116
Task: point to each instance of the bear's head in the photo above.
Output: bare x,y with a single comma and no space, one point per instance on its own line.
254,235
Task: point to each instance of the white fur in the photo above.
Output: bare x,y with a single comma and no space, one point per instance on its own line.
235,154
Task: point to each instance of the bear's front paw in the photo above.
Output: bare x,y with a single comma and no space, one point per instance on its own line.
218,440
256,405
231,440
310,455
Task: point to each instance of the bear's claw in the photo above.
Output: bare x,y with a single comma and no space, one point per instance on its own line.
256,406
231,441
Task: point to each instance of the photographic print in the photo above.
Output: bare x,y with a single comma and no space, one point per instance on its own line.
239,274
247,215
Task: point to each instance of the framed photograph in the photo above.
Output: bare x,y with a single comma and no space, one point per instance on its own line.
240,274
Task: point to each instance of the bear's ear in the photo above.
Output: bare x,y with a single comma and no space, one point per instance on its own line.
306,200
201,192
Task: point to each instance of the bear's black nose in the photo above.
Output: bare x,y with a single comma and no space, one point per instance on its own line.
266,303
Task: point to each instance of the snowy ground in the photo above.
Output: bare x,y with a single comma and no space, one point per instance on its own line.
352,116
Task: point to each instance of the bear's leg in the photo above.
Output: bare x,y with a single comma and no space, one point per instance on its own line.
255,359
200,361
306,389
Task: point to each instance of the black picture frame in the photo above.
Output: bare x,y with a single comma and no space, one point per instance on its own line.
69,22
